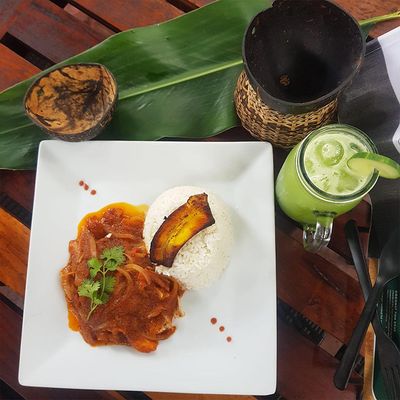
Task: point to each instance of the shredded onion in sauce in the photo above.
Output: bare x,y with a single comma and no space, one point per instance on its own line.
141,307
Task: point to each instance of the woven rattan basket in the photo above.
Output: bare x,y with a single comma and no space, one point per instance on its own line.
281,130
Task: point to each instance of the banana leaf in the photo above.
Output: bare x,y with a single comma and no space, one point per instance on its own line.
175,79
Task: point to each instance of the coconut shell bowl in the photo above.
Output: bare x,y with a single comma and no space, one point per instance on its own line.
74,102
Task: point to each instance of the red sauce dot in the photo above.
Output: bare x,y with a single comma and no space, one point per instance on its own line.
229,339
81,183
86,186
221,328
93,192
213,320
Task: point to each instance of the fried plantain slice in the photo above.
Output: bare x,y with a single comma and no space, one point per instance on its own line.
180,226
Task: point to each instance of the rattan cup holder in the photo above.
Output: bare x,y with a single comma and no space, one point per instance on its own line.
282,130
298,57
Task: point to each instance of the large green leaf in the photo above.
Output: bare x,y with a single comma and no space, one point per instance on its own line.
175,79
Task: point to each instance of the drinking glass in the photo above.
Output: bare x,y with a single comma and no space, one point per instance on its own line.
315,184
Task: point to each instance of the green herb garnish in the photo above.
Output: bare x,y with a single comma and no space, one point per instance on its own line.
99,290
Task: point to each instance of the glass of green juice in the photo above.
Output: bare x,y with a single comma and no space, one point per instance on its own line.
315,183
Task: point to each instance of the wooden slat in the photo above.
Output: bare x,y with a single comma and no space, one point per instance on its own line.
13,68
126,14
338,252
369,345
8,12
52,32
369,364
287,228
19,185
14,246
88,21
180,396
362,215
317,288
10,337
305,372
199,3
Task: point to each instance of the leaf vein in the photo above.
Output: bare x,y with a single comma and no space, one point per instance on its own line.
184,77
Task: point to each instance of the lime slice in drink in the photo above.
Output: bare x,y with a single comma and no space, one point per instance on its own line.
364,163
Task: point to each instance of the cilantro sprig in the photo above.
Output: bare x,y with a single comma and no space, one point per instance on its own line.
99,290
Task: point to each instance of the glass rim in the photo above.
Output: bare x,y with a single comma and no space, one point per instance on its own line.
311,187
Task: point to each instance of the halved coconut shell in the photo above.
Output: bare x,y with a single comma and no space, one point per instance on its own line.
73,102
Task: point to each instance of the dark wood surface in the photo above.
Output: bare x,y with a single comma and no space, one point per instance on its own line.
322,288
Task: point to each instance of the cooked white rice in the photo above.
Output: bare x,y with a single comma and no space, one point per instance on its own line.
204,257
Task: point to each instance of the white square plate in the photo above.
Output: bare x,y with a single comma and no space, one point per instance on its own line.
197,358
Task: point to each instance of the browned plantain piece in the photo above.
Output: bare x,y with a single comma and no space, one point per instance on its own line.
185,222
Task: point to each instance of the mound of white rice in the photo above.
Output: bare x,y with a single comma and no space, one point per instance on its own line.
203,258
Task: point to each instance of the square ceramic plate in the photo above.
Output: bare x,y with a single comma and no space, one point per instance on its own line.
197,358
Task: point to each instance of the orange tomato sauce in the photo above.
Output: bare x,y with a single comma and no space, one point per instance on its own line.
128,209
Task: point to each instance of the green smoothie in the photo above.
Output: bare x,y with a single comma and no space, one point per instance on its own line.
315,182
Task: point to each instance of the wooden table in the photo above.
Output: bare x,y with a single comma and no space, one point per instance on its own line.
319,297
